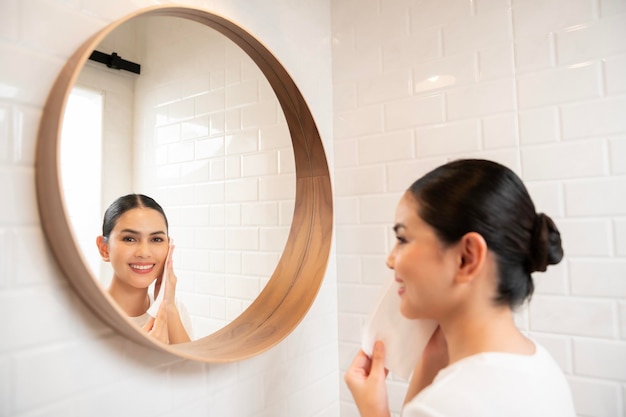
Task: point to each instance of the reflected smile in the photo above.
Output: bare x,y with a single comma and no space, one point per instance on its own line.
142,267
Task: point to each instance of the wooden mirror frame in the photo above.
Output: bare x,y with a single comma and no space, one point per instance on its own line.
293,286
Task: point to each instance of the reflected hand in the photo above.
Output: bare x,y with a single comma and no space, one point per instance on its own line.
366,380
157,327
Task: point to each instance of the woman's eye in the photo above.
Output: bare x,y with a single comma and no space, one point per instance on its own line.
400,239
128,239
157,239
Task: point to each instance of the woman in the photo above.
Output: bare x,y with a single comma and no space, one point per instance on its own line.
467,240
135,241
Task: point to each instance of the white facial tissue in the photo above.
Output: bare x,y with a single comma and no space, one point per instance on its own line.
404,338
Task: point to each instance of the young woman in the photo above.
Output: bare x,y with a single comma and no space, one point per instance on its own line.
467,240
135,241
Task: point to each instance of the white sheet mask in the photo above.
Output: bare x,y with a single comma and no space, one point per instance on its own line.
154,308
404,339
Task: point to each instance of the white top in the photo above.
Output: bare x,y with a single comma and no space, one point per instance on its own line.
182,310
496,385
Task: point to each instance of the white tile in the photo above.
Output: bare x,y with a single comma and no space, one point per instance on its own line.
390,85
375,269
346,153
495,62
611,7
362,121
25,131
180,152
386,147
446,72
258,214
344,96
362,240
596,198
536,17
402,174
591,40
357,298
265,163
622,317
604,278
577,159
196,128
415,111
595,398
245,189
481,99
168,134
432,13
614,70
620,236
573,316
600,359
593,118
553,280
260,114
586,237
20,203
559,347
213,101
539,125
548,198
9,25
561,85
242,94
534,53
377,209
273,239
477,32
274,137
372,29
242,142
261,265
181,110
407,52
499,131
362,180
346,210
353,64
440,139
278,187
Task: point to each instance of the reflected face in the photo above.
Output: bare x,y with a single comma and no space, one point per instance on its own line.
423,266
137,247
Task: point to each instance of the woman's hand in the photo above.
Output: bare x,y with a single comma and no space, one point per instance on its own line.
366,380
157,326
176,329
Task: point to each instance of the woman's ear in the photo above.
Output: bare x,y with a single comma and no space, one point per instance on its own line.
103,248
473,251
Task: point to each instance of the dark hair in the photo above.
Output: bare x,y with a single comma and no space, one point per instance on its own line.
473,195
125,203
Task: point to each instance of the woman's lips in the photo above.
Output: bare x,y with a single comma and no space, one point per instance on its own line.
142,268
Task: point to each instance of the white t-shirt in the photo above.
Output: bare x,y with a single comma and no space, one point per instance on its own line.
182,310
496,385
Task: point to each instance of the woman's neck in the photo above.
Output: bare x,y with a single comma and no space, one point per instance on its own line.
134,301
488,330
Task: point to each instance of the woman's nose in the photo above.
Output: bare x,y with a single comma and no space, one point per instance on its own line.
142,251
390,260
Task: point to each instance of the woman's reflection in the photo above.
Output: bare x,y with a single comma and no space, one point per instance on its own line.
135,241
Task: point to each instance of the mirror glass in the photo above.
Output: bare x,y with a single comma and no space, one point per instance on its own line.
201,131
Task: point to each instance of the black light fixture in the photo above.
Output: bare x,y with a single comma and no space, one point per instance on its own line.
115,61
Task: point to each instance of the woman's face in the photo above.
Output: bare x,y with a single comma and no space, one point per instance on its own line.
423,267
137,247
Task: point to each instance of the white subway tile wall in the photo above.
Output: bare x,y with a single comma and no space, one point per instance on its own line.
537,85
56,357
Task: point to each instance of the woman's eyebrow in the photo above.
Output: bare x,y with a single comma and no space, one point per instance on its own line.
158,232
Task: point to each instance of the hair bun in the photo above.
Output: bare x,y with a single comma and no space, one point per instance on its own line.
545,244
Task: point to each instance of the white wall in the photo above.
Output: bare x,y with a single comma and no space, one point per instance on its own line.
56,358
537,85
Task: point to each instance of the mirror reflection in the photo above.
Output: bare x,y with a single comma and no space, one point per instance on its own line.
199,130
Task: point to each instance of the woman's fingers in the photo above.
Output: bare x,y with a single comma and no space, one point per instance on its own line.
159,329
366,380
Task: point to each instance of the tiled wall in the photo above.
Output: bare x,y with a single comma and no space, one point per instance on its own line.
56,357
537,85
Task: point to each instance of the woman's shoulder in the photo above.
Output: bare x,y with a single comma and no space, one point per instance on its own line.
492,384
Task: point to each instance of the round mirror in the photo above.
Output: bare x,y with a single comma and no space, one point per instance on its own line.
208,139
175,110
